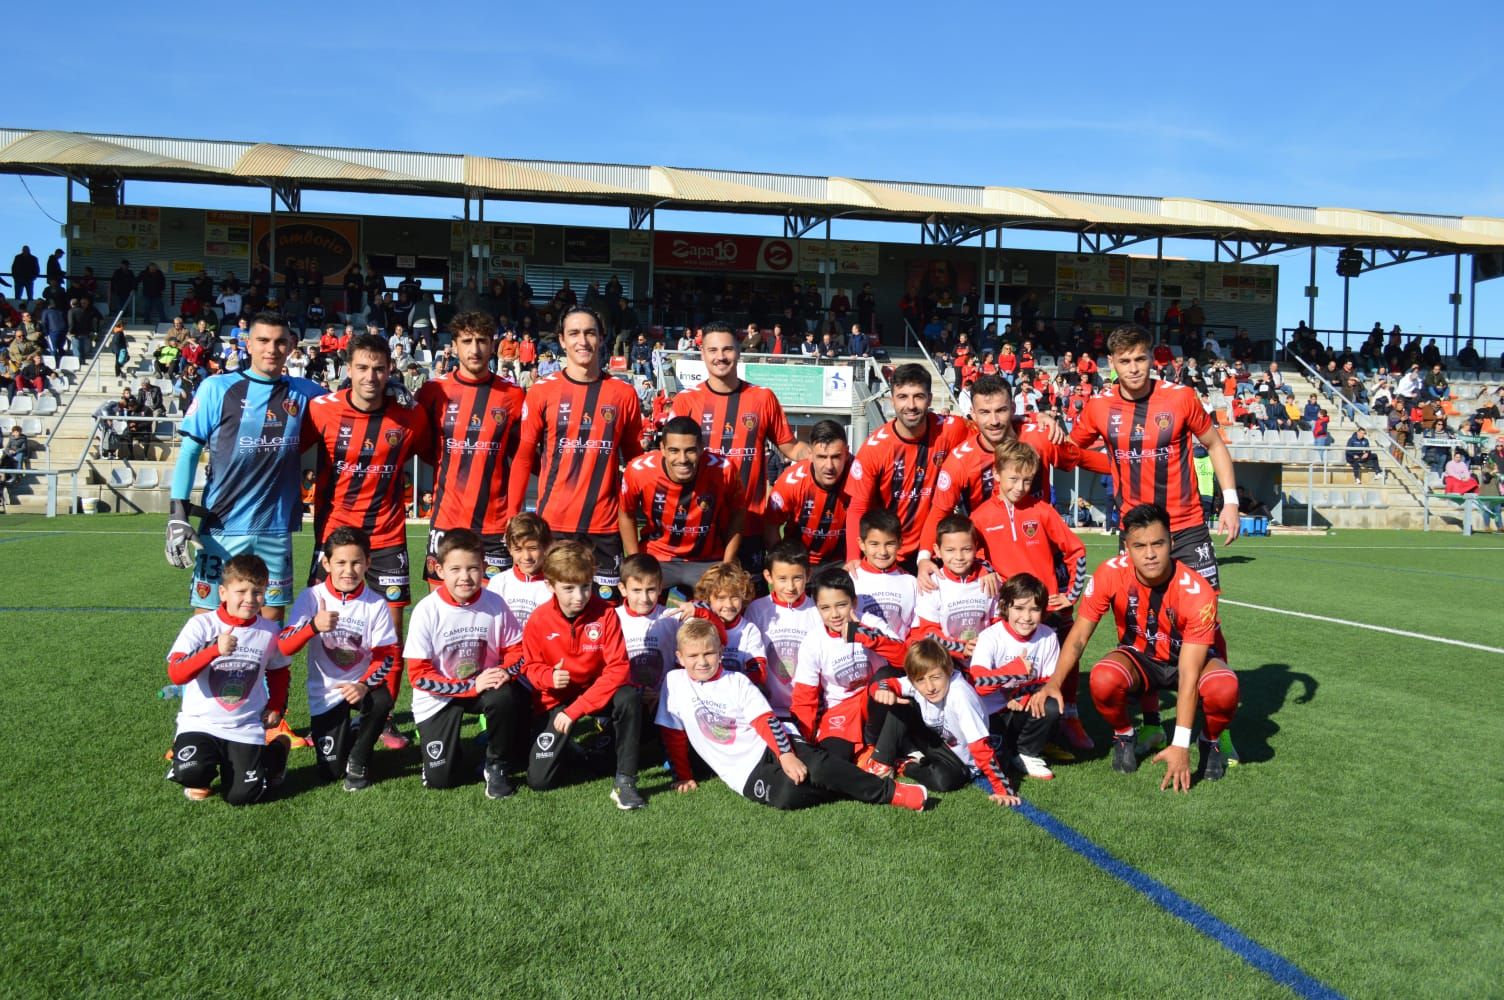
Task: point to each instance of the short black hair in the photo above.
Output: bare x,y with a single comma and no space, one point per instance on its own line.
271,319
833,578
880,519
1144,515
953,524
641,566
683,425
347,536
372,344
990,385
827,432
790,552
718,326
912,374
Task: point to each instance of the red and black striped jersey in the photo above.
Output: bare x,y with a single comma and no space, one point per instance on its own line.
1149,442
819,514
892,471
967,479
475,426
684,520
1155,620
361,458
586,432
740,425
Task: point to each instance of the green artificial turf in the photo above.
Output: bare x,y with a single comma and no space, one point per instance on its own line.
1360,839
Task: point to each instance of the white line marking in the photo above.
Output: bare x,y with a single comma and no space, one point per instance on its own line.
1371,628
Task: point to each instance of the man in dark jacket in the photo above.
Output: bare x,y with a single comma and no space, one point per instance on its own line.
24,268
122,284
154,290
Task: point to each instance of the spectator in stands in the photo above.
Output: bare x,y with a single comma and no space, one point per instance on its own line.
642,356
186,386
24,269
1435,384
149,398
548,364
413,378
1274,416
297,362
1468,358
33,377
1321,429
153,287
1492,479
444,361
82,326
401,336
1431,356
55,329
314,315
425,322
168,358
1250,506
1410,386
230,301
1360,455
1457,476
17,449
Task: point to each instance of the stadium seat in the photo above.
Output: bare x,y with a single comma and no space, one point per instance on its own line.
1357,499
6,423
1376,499
23,403
121,477
149,479
1237,434
1337,499
49,360
45,406
31,427
1321,499
4,404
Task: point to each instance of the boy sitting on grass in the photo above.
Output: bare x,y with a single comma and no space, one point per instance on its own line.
355,662
942,725
1012,660
463,652
728,722
234,682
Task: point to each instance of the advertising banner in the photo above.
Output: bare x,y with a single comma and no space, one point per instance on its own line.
334,243
709,252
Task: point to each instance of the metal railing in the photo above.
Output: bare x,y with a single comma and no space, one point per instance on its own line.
83,376
1488,348
950,393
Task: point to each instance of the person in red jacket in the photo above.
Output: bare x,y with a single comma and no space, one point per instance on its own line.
575,661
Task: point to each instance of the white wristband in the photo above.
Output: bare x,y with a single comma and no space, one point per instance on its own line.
1230,496
923,555
1182,738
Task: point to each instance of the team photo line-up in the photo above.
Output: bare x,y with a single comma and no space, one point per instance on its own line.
922,615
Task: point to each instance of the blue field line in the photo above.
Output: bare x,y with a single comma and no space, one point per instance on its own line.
27,536
1276,967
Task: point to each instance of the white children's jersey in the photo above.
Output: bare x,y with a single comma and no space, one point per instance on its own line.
959,606
227,697
744,643
839,669
892,595
343,655
1017,666
460,640
522,594
785,630
959,719
716,716
652,641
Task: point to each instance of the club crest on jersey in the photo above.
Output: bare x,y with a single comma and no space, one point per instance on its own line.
943,482
593,632
749,421
1031,528
498,414
1162,421
393,437
201,588
703,503
608,414
290,407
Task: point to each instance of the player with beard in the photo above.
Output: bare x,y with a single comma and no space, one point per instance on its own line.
808,502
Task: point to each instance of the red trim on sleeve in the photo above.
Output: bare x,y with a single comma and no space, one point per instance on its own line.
182,668
294,637
676,744
804,705
277,682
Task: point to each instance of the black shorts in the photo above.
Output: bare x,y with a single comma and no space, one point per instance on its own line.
1193,546
607,550
498,556
388,574
1152,674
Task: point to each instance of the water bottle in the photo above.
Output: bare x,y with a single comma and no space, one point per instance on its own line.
170,692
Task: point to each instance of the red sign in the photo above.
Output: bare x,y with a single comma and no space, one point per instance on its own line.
709,252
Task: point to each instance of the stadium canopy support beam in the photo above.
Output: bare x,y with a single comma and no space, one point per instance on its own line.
1106,241
947,233
1159,282
1242,252
1374,263
1311,292
796,226
1456,300
640,215
1472,296
469,245
290,195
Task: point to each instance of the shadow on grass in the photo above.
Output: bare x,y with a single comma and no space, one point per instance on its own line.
1235,560
1262,693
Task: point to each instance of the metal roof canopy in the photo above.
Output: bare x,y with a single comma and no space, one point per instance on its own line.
949,212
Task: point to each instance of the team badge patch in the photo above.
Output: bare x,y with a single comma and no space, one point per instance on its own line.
290,407
201,588
394,437
749,421
608,414
703,503
1162,421
593,632
604,591
498,414
392,593
1031,528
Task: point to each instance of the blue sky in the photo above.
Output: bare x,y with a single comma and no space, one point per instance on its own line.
1378,106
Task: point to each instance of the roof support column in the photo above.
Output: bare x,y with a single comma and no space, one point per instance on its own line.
1311,291
271,242
1472,297
1456,299
1159,283
469,245
1346,287
652,253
